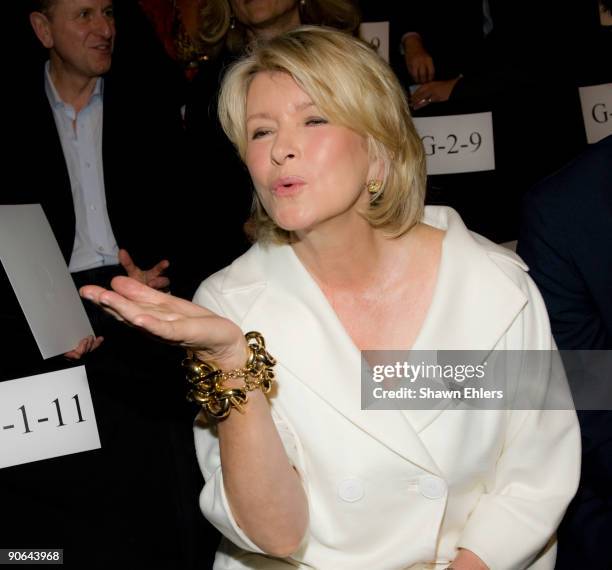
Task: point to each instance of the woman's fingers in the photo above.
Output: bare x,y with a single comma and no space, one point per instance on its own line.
139,293
160,314
135,290
170,318
94,293
91,292
130,298
103,298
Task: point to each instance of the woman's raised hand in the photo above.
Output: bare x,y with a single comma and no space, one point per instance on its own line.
177,321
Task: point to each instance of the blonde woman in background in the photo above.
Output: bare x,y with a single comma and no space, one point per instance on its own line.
268,18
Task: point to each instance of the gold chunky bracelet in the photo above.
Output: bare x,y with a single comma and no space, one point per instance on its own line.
207,380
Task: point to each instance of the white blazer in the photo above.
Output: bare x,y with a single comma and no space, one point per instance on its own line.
399,489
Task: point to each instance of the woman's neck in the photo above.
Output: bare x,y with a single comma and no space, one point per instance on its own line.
348,259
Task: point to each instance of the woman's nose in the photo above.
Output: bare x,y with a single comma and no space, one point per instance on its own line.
284,148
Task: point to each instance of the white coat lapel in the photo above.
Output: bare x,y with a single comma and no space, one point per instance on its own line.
305,335
474,301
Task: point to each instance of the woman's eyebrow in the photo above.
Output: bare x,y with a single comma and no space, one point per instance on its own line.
299,107
304,105
258,116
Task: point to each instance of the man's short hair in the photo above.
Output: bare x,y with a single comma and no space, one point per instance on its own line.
43,6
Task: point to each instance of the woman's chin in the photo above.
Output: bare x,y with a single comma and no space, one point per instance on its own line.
292,223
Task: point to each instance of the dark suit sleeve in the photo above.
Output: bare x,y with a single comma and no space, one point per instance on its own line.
545,245
565,239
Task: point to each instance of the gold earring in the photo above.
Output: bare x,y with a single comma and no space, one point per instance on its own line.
374,186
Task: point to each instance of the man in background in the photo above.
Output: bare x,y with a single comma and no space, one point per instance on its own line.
100,150
566,239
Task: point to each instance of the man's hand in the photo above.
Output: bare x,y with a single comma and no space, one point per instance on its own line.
418,61
88,344
432,92
153,277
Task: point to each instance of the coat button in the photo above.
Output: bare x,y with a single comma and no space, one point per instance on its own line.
350,490
432,487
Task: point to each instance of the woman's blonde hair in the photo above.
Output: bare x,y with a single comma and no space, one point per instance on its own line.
353,87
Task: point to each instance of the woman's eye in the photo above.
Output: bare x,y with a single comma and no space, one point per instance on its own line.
259,133
316,121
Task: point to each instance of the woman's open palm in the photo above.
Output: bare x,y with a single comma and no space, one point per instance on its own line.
173,320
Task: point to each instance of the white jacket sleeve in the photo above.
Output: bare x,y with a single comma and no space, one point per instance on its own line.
213,500
538,469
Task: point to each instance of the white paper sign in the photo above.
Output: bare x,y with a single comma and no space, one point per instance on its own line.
457,143
596,102
45,416
377,35
37,271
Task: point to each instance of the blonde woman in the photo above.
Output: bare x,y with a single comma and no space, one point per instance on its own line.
265,19
348,259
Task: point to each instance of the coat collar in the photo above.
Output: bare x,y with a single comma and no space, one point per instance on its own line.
473,305
474,301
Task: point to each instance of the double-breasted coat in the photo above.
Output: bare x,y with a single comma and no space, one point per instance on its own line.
391,489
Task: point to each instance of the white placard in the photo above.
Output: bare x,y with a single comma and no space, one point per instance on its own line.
46,416
596,102
377,35
37,271
457,143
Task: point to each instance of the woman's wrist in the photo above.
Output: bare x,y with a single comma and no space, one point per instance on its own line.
234,356
219,390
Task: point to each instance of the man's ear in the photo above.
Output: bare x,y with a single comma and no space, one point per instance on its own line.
41,26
